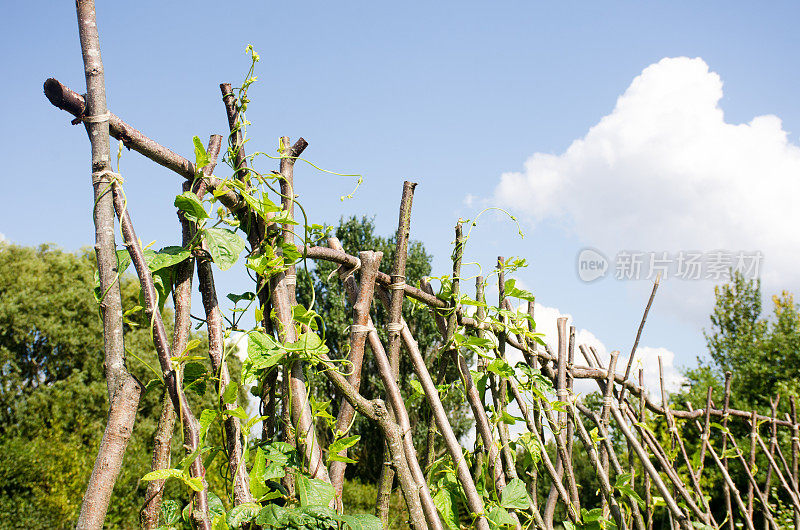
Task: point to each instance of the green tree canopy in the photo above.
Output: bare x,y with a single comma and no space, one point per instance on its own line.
761,351
53,396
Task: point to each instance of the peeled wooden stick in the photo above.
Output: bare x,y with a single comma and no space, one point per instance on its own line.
440,417
659,453
732,487
190,424
124,391
726,488
369,268
706,433
789,477
752,483
608,446
795,451
397,408
570,431
563,464
393,328
638,336
660,456
648,504
376,411
677,439
182,301
600,471
216,347
501,397
651,471
752,486
792,495
605,415
361,299
70,101
482,426
301,419
773,441
561,449
537,416
479,451
548,463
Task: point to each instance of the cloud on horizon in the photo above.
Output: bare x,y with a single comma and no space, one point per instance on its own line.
646,357
664,171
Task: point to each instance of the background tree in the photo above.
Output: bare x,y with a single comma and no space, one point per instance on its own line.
355,235
53,397
762,352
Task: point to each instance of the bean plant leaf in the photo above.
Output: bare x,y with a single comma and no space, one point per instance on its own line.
236,298
501,368
508,419
191,206
271,516
162,474
207,417
123,261
500,518
513,291
238,412
243,513
265,263
231,393
361,522
305,316
224,246
284,218
290,253
343,443
262,205
262,353
195,483
219,522
200,155
444,503
166,257
515,496
313,492
170,512
215,506
308,343
194,377
479,345
257,482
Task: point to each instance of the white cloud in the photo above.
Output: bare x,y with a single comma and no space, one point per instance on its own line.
664,171
646,357
3,237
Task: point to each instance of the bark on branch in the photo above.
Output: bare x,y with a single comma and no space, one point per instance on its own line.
124,391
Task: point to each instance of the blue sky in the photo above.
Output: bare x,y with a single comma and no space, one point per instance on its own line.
452,95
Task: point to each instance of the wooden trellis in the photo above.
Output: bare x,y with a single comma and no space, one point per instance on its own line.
670,473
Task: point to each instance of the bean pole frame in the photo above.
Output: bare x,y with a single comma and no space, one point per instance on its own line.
488,482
